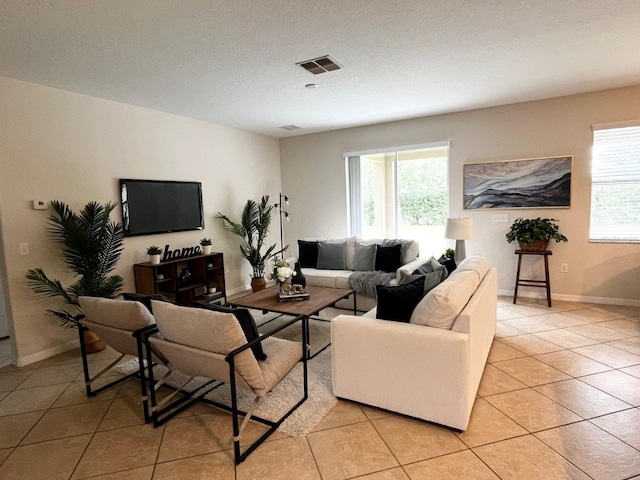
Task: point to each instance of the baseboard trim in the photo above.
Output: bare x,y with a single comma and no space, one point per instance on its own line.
627,302
44,354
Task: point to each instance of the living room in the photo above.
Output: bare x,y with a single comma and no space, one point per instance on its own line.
62,145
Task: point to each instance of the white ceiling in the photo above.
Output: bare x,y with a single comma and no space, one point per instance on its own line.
233,62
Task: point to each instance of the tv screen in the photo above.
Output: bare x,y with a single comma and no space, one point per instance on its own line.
152,206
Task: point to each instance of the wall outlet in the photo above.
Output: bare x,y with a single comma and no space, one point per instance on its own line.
499,217
24,249
564,267
40,204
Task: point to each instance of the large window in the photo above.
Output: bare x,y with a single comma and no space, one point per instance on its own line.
615,187
400,193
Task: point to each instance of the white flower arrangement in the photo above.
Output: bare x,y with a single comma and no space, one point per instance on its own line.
282,270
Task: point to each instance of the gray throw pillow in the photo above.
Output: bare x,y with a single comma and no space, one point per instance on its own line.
365,257
432,265
431,279
332,255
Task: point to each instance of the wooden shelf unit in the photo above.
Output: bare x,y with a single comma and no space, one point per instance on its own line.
205,269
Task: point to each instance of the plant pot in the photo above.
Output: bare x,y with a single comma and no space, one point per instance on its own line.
206,249
258,283
92,342
154,259
535,246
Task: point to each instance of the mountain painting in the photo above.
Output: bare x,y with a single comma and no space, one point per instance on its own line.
529,183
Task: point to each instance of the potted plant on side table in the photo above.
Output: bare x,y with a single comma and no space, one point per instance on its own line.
253,229
534,234
154,254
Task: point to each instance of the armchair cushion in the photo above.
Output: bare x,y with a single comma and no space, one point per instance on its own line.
247,323
122,314
211,331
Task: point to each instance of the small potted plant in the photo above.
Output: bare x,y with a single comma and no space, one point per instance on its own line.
205,243
154,254
447,260
534,234
212,287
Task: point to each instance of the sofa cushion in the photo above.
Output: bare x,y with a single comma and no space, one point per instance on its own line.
388,258
476,263
431,279
397,303
247,323
332,255
440,307
365,259
308,253
410,248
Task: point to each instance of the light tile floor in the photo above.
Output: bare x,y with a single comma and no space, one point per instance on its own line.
559,399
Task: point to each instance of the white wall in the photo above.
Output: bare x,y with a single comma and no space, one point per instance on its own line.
313,175
58,145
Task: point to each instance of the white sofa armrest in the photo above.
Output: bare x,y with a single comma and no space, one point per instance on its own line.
411,369
411,266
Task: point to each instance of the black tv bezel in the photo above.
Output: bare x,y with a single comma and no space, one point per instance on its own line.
124,181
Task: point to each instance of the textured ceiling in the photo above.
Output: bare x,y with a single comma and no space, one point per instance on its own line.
233,62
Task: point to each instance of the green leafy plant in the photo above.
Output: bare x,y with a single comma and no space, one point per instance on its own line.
91,246
205,241
449,253
154,250
528,230
253,229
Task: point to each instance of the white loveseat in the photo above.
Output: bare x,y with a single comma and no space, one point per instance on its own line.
340,278
422,371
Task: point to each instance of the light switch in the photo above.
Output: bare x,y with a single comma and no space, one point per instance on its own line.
24,249
500,217
40,204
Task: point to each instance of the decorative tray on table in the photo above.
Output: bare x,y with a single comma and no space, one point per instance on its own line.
293,295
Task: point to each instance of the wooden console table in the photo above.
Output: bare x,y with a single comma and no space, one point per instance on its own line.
534,283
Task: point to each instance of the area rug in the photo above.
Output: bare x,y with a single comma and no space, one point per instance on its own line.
321,399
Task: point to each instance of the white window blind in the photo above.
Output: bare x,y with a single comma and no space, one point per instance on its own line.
615,188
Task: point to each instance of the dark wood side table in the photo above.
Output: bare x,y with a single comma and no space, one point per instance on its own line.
534,283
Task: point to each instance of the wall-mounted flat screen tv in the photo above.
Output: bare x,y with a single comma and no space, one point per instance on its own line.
152,206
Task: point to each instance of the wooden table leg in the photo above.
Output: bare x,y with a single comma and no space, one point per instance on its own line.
546,276
515,292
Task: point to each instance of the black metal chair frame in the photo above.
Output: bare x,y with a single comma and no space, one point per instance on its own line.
88,380
162,415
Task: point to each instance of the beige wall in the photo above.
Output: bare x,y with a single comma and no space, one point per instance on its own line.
64,146
313,175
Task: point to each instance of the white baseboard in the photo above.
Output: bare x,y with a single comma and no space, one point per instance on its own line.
48,353
627,302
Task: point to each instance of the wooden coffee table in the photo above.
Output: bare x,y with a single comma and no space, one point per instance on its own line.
319,299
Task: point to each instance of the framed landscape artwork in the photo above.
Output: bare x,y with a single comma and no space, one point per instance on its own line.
527,183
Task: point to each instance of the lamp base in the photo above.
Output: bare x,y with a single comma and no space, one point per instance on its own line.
460,253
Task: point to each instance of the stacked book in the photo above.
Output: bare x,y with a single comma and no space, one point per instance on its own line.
293,296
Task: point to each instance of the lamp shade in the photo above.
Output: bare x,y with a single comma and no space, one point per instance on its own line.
459,228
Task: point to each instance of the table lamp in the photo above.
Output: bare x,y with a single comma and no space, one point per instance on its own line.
459,229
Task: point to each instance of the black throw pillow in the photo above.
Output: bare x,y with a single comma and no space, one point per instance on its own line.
144,299
307,253
246,321
388,258
398,303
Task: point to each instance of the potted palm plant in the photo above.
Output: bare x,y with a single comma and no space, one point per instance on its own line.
534,234
91,246
253,229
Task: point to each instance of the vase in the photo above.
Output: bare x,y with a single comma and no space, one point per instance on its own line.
92,342
258,283
298,276
154,259
184,278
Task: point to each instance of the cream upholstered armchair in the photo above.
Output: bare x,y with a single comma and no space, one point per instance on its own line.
119,323
204,343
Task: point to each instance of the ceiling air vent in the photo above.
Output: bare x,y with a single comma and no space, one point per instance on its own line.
320,65
291,127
